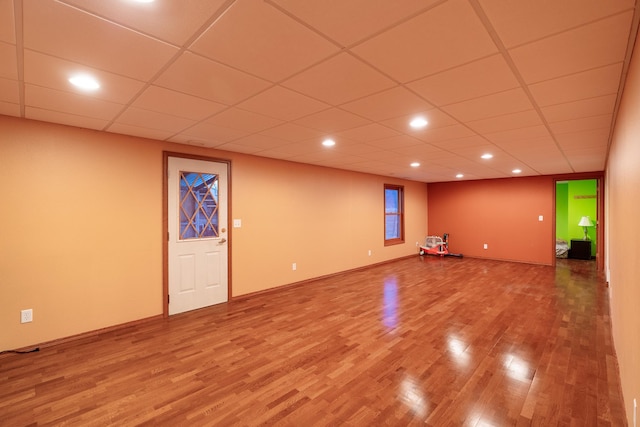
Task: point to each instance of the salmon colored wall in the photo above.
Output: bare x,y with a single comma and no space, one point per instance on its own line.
623,235
503,213
324,220
81,226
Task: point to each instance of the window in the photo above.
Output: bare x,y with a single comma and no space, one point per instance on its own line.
198,205
393,214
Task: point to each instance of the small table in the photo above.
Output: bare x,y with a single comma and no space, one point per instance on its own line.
580,249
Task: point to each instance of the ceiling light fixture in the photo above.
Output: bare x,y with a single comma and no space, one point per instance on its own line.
328,142
459,175
516,171
418,123
487,156
84,82
415,164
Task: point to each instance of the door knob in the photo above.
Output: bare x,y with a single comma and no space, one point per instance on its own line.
223,240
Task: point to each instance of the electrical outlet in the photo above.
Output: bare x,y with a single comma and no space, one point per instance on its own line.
486,246
26,316
369,252
294,267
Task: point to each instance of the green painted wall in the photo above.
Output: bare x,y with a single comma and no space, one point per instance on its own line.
562,211
575,199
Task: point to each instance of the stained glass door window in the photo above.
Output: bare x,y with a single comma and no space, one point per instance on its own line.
198,205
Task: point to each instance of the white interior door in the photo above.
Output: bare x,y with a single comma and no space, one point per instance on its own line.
197,220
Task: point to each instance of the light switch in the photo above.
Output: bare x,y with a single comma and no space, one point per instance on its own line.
237,223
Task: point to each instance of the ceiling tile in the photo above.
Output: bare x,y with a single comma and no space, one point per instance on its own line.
435,118
581,124
506,122
478,78
339,79
527,148
171,21
595,45
202,77
510,101
9,91
259,39
70,103
7,26
64,118
356,71
65,32
552,165
395,142
332,120
282,103
212,135
539,131
426,153
8,63
54,73
337,18
584,139
394,102
241,119
586,160
524,21
10,109
368,132
583,108
153,120
177,104
353,149
437,135
446,36
455,143
292,132
588,84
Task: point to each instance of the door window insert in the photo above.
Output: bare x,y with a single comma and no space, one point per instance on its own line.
198,205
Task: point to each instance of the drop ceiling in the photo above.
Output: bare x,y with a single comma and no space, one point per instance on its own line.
536,83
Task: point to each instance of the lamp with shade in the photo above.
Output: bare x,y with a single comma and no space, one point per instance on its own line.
585,222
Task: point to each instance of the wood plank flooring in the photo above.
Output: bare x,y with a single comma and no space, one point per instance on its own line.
421,341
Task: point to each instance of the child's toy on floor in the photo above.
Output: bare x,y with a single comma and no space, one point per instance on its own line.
436,245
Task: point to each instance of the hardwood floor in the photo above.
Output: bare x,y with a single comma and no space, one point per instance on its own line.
421,341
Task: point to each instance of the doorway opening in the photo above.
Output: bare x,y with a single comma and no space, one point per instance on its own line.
577,207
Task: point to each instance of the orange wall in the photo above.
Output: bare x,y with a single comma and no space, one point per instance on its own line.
81,226
503,213
623,242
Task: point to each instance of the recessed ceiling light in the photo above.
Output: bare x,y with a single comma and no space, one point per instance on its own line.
459,175
487,156
516,171
144,1
328,142
415,164
84,81
418,123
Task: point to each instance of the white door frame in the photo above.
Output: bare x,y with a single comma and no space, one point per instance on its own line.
165,222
